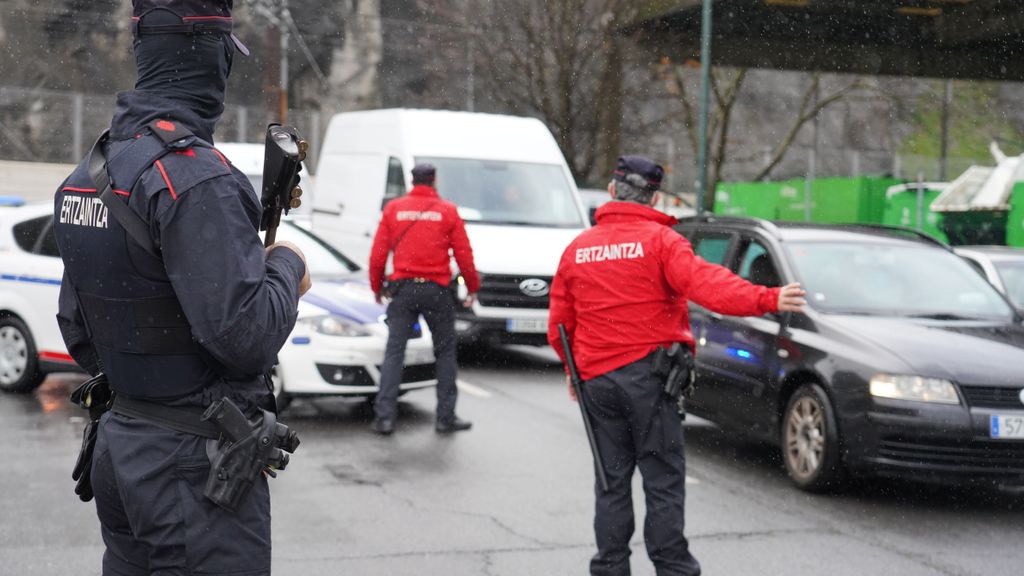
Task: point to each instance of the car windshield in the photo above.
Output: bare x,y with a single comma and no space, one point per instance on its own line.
1012,273
323,260
886,279
498,192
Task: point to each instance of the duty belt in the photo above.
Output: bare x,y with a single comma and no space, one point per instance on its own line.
186,419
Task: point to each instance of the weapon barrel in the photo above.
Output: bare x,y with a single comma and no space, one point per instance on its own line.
577,385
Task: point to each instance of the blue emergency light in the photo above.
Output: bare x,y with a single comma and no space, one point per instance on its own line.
12,201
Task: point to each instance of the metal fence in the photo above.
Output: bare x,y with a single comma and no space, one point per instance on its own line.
54,126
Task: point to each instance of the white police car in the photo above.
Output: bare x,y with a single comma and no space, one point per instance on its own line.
30,275
336,348
338,343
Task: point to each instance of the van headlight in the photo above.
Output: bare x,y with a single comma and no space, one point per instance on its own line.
332,325
915,388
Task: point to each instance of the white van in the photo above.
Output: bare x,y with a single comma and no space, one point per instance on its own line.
508,178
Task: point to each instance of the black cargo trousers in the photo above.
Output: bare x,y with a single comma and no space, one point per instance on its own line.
637,425
437,305
148,483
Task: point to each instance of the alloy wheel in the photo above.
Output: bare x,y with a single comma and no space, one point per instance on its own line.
13,355
805,438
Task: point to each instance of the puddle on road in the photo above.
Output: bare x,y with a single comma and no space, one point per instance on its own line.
349,474
52,394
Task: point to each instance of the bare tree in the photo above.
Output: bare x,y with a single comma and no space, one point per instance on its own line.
726,86
559,60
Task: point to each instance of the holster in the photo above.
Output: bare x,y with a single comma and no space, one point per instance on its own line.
246,450
675,366
95,396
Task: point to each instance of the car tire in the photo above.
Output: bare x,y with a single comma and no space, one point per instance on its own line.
19,362
282,398
810,441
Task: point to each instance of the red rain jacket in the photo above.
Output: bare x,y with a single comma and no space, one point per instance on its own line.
421,228
622,288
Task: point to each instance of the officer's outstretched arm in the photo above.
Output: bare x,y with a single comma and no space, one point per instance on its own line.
240,301
72,329
712,286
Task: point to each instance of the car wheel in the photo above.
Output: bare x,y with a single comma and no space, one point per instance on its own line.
19,364
810,440
283,398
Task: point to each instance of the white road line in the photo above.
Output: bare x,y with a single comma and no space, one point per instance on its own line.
472,389
692,480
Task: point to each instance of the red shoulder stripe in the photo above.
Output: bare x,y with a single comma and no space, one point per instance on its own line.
73,189
160,167
221,156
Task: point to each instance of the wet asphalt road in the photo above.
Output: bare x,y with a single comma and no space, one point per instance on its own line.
511,497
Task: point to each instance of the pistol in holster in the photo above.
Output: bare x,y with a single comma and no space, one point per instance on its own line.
675,366
95,396
246,450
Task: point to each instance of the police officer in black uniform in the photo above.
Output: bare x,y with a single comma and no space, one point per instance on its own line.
193,315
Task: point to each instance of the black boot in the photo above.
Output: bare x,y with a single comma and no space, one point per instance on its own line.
455,425
383,426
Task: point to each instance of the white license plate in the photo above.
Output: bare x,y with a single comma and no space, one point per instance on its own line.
527,325
1007,427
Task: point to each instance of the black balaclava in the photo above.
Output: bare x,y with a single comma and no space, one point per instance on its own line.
191,70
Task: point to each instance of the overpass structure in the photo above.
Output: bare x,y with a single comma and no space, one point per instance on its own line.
961,39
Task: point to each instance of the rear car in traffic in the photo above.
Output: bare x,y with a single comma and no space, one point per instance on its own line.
1002,266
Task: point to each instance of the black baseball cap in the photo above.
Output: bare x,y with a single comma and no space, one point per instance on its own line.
647,169
423,173
187,17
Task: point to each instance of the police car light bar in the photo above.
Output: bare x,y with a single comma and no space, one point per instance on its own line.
12,201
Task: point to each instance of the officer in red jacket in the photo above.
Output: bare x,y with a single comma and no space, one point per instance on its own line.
421,230
621,291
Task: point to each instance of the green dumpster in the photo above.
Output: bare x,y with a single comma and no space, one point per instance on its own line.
901,210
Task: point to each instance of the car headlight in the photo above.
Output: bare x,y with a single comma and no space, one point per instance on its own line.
914,388
332,325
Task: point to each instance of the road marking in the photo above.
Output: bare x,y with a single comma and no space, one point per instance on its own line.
472,389
692,480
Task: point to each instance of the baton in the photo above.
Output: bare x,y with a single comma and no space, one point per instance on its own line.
577,386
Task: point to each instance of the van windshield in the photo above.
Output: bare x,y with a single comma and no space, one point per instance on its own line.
514,193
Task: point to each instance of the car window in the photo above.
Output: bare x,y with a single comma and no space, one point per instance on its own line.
756,265
713,247
322,259
395,186
1012,274
893,279
27,233
48,245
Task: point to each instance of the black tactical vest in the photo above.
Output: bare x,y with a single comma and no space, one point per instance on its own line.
135,322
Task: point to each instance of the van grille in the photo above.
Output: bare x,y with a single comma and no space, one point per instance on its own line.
502,291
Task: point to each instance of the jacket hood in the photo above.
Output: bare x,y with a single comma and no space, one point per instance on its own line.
136,109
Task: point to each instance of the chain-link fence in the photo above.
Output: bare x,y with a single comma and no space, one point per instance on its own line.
53,126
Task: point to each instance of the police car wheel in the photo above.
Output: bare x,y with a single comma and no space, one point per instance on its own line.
810,440
19,364
283,398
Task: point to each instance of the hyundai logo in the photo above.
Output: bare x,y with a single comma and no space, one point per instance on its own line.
534,287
